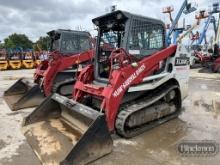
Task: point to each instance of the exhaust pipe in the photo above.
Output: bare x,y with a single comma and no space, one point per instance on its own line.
23,94
62,131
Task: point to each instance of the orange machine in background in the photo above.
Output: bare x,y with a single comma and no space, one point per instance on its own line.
3,60
28,60
15,60
37,60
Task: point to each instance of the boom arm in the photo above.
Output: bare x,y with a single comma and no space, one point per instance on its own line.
174,23
214,25
205,28
187,32
218,32
189,9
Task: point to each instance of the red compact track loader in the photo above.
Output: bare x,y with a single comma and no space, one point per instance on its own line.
70,50
135,84
216,63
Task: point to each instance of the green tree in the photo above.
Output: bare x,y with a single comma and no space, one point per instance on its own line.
18,40
42,43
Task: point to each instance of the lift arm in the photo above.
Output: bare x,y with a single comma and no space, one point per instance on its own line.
187,32
217,37
205,28
174,23
213,21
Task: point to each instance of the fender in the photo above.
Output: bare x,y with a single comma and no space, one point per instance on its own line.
216,65
60,64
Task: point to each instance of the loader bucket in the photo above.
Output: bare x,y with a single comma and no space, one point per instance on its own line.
15,64
28,64
23,94
3,65
62,131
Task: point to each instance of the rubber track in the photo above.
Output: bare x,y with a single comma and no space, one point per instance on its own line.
128,109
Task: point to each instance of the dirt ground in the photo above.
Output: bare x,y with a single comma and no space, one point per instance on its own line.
200,120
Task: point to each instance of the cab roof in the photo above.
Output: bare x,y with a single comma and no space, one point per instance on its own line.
59,31
123,15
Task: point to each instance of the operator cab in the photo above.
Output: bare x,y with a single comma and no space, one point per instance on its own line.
139,36
69,42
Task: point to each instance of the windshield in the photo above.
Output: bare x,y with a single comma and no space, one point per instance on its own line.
74,43
145,38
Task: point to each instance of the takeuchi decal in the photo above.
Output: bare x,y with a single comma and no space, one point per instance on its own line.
128,81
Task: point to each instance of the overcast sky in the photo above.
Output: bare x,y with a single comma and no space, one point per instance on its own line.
35,17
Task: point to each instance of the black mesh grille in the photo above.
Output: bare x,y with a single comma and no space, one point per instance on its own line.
146,37
73,43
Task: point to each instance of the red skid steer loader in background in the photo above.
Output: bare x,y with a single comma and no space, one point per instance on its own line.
216,62
134,85
70,50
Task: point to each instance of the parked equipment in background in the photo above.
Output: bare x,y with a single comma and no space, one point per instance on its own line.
216,52
135,84
37,58
14,57
210,19
195,37
70,50
40,56
216,63
195,56
203,54
173,32
28,59
3,60
217,39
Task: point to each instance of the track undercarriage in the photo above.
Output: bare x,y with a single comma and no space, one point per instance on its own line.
152,109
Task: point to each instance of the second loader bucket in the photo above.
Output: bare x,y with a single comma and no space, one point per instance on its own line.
23,94
62,131
3,65
28,64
